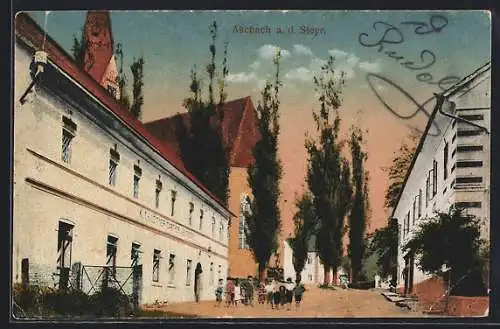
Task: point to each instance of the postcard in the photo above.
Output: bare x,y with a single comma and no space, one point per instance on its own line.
251,164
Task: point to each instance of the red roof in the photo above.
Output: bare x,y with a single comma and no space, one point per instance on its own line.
33,35
98,38
239,130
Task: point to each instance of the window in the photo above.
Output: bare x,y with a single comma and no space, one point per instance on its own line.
201,219
64,247
156,265
434,177
469,164
213,226
408,222
137,179
172,204
68,133
188,272
221,230
171,269
427,190
419,203
468,180
157,193
134,254
469,148
414,211
211,274
309,259
472,117
468,204
111,249
466,133
114,158
445,160
191,209
243,226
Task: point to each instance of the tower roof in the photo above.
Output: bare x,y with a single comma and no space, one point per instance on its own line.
98,43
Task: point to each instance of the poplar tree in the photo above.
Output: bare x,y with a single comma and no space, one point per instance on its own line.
264,178
359,209
328,172
137,69
304,223
201,141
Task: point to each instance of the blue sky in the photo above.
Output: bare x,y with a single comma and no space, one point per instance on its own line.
172,42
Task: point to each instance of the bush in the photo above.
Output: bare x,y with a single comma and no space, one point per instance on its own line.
110,302
28,298
67,302
362,285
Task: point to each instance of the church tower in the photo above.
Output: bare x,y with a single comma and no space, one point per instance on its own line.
99,58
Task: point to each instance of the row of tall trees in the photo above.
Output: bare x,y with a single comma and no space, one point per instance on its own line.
336,188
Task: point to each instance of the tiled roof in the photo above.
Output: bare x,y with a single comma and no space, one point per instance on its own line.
27,29
239,129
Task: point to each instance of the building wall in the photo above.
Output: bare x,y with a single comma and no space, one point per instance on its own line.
449,190
242,262
47,190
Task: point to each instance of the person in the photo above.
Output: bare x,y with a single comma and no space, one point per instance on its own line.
237,293
219,291
269,291
249,291
282,294
262,293
298,292
289,292
276,294
229,292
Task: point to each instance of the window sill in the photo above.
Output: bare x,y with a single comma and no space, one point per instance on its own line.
156,284
170,285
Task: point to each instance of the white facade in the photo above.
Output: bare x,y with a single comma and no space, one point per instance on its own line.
48,191
313,272
452,166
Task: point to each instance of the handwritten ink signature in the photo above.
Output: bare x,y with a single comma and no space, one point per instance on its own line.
391,35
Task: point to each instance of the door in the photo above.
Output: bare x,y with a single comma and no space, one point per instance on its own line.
197,282
137,284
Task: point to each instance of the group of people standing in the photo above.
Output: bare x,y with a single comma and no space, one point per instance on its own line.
276,293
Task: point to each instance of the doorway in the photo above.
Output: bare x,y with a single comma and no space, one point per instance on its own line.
197,282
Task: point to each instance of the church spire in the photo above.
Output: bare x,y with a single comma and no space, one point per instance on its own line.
99,59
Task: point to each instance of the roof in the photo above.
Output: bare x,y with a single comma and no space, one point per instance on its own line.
239,130
30,32
98,38
451,91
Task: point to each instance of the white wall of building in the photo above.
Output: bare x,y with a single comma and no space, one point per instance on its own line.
476,101
48,190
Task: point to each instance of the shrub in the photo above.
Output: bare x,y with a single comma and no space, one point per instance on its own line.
28,298
67,302
362,284
110,302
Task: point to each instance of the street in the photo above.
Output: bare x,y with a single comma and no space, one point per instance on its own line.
316,303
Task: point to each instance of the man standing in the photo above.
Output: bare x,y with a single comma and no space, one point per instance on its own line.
249,291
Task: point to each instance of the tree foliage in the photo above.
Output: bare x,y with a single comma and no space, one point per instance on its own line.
398,169
122,79
384,244
304,223
201,141
264,177
137,69
359,209
78,49
328,173
449,245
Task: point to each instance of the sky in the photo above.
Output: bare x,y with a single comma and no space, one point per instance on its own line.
418,50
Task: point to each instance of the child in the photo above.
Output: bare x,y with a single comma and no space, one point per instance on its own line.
289,292
218,292
276,294
229,292
237,293
298,292
282,294
269,291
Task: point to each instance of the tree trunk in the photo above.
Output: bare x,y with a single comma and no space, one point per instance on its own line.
335,277
262,274
298,277
327,275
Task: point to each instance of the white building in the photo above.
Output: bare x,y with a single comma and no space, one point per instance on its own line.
313,272
91,187
451,167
